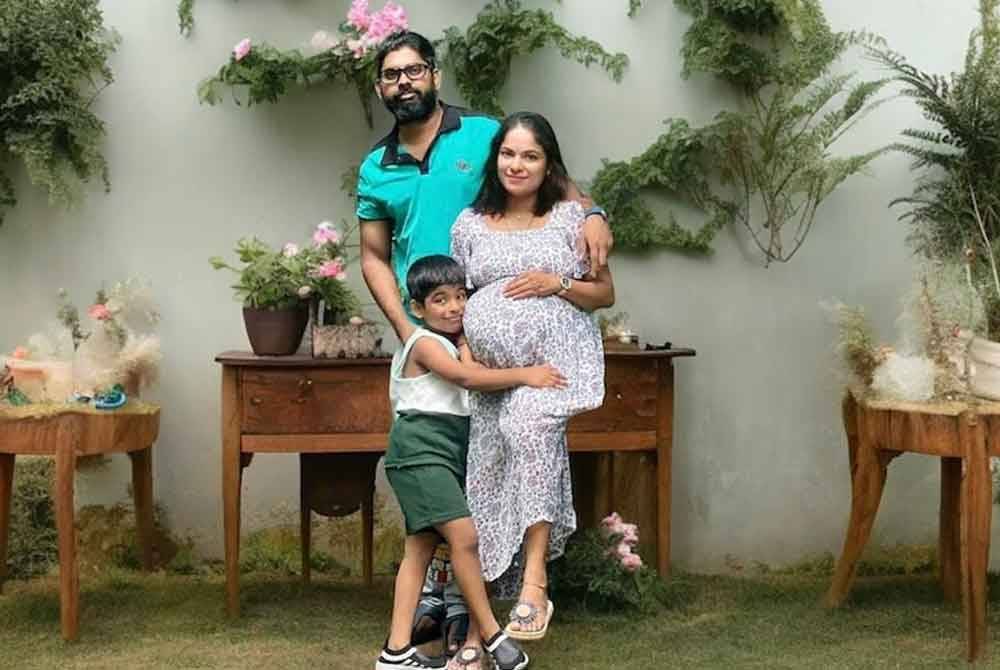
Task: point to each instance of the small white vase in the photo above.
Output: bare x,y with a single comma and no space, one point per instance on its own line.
984,373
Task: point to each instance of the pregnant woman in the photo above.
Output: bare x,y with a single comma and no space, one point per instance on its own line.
519,244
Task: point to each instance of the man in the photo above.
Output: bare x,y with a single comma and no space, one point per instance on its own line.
412,186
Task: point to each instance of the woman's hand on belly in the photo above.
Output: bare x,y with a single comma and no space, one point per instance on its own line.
534,284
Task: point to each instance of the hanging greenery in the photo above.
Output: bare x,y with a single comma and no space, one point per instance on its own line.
185,16
955,209
53,64
480,57
772,158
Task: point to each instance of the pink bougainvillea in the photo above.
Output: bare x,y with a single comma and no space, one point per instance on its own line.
613,525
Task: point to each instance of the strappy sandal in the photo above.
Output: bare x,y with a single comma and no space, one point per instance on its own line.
525,614
466,658
506,653
454,631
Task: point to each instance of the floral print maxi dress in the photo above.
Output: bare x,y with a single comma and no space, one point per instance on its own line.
518,468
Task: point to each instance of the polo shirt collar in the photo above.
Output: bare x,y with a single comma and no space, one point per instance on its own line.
450,121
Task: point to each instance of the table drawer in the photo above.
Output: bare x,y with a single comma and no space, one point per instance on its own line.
328,400
629,399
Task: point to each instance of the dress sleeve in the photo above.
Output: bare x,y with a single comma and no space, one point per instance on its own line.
461,242
573,215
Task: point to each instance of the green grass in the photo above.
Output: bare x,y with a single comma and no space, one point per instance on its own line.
767,621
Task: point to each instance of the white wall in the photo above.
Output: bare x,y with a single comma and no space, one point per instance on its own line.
760,462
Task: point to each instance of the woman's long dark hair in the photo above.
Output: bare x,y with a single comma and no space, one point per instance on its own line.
492,198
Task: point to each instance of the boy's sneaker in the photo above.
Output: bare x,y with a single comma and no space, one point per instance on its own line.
407,658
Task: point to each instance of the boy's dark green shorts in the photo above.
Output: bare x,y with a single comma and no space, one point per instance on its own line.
425,465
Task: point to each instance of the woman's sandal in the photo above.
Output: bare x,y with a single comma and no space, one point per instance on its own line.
467,658
525,614
454,630
506,653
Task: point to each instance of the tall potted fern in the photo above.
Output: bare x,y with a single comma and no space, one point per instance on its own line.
954,211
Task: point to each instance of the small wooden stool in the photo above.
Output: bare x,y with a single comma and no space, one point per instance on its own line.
68,434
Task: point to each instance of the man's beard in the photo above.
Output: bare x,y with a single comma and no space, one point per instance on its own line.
417,109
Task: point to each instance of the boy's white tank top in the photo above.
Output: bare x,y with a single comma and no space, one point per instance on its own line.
428,393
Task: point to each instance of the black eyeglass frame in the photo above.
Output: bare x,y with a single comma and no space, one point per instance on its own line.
413,72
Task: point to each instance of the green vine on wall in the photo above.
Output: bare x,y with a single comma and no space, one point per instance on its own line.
481,56
53,64
185,16
772,157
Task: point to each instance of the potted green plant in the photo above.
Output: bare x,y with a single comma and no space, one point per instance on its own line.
955,207
278,286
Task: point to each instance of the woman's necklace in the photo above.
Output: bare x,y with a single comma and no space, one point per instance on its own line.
519,220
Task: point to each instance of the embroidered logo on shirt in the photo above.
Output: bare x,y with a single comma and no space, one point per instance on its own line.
462,165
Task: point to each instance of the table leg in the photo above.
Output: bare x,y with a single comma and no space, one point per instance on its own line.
69,582
664,462
142,493
368,532
868,472
232,480
949,530
6,493
976,496
305,526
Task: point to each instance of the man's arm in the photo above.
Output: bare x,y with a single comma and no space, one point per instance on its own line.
376,252
597,237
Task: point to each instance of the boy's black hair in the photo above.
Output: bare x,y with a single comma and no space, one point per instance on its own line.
406,38
430,272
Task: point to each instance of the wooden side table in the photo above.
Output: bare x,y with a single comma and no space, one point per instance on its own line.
68,432
299,404
963,436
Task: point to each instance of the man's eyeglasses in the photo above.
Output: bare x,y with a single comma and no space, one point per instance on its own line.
413,72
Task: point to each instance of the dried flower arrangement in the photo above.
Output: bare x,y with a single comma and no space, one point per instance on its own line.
114,344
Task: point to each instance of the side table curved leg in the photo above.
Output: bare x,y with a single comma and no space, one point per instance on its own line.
6,492
69,580
142,493
975,532
868,473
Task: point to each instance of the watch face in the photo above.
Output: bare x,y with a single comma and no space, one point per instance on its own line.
564,282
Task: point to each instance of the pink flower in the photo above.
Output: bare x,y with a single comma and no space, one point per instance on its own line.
357,47
357,15
334,268
19,353
290,249
325,232
99,312
323,41
631,562
613,520
622,550
630,534
390,19
241,50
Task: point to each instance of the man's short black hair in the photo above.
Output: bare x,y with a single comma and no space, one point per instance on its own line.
431,272
406,38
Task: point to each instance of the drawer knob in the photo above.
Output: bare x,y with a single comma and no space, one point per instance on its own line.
618,396
255,401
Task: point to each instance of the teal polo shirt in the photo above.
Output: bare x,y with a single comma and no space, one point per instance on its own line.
422,199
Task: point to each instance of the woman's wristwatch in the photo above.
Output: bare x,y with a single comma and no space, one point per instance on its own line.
565,284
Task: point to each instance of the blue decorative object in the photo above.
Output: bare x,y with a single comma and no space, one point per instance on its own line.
112,399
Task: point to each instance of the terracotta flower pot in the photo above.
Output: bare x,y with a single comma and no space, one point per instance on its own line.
275,332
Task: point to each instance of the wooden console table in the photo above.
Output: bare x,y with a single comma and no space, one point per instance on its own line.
299,404
964,436
68,432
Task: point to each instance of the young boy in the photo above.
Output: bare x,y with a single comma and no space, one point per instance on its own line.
425,462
